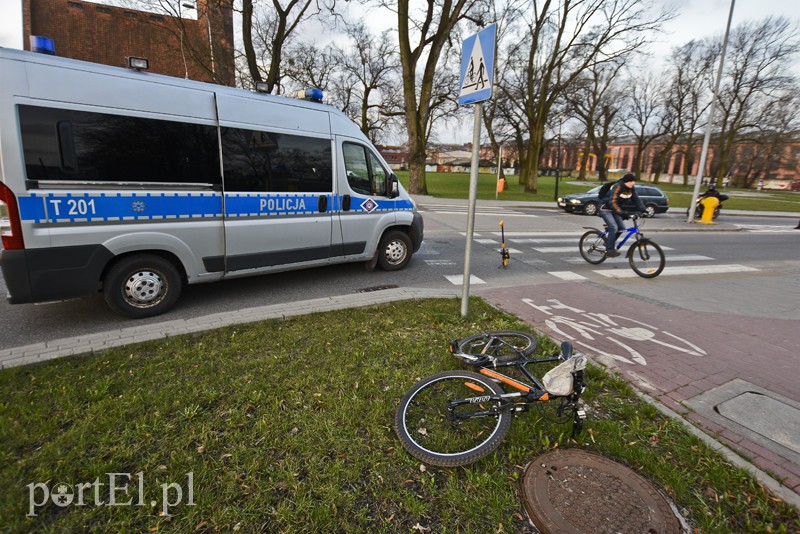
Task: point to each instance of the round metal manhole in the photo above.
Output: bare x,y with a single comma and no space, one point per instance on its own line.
575,491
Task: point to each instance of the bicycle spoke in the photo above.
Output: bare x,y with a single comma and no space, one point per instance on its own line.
436,428
646,258
442,431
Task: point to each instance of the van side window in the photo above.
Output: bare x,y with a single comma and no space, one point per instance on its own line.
271,162
83,146
365,174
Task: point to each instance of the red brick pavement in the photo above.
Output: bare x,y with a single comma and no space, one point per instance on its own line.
672,354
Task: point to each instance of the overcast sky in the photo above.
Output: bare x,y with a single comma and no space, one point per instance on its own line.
696,19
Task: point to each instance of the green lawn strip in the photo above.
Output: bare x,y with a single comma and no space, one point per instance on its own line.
456,185
286,426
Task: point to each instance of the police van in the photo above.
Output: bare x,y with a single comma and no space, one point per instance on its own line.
133,184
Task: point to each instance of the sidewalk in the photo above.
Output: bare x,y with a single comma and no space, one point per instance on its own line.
59,348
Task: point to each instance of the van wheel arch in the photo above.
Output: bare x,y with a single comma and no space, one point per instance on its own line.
143,283
395,249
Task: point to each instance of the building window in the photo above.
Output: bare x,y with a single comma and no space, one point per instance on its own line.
81,146
103,9
261,161
76,5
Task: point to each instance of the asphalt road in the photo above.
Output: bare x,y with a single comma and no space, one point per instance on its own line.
766,245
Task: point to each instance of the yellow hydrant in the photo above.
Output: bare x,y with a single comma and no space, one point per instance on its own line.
709,206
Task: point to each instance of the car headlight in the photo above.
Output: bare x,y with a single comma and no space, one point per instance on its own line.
574,201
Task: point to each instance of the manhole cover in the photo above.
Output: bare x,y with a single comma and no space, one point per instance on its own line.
575,491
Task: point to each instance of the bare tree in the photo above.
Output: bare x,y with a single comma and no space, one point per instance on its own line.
423,36
562,40
268,30
643,117
690,68
595,99
370,65
497,111
758,73
308,65
768,147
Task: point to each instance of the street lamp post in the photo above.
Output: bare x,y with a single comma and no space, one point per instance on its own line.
558,157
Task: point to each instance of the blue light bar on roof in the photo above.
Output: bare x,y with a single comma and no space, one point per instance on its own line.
43,45
313,94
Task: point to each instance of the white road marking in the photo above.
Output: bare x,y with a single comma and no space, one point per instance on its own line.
458,279
673,271
567,275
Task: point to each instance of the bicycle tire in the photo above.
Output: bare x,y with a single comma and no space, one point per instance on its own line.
428,432
503,345
646,258
593,247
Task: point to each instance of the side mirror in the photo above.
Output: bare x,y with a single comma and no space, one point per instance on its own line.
394,186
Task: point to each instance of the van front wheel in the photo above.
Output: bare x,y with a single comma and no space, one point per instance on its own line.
142,286
394,251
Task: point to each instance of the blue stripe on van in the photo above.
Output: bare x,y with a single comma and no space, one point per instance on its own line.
134,206
73,207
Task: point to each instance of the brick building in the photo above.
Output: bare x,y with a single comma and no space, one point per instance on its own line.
200,49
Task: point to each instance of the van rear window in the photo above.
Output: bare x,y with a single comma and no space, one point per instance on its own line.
82,146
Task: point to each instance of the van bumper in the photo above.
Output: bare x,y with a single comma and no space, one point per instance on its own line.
57,273
417,229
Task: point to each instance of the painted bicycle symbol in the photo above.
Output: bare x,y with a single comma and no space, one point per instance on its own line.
588,329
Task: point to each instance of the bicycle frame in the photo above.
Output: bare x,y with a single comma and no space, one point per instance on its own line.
529,393
629,231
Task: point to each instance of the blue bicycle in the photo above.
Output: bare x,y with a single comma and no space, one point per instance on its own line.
644,256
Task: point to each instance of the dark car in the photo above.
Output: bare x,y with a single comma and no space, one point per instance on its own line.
654,199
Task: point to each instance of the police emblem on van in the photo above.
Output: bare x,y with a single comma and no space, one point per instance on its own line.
138,206
369,205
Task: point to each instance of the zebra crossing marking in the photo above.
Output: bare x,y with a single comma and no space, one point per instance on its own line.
458,279
686,269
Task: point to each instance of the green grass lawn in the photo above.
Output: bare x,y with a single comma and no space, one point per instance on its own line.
286,426
456,185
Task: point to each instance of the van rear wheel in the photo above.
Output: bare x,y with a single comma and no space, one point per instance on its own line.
394,251
142,286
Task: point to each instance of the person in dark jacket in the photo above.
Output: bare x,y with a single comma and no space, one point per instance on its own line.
620,202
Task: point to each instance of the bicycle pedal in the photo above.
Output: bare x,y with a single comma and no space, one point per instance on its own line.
580,413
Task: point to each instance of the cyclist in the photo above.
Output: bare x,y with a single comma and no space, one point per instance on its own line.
616,206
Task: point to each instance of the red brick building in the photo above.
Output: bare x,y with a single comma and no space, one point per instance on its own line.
199,49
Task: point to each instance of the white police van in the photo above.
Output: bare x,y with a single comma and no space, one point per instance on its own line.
133,184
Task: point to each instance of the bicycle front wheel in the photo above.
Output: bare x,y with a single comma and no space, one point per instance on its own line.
504,346
438,432
646,258
593,247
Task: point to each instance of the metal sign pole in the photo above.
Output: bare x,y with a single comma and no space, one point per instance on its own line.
473,193
710,124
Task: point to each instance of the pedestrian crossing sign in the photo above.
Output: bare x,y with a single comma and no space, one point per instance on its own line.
477,64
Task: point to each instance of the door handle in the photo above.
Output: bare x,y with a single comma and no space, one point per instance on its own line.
346,203
322,203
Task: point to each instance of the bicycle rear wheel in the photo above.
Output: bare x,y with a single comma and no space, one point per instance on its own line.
504,346
646,258
593,247
440,434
